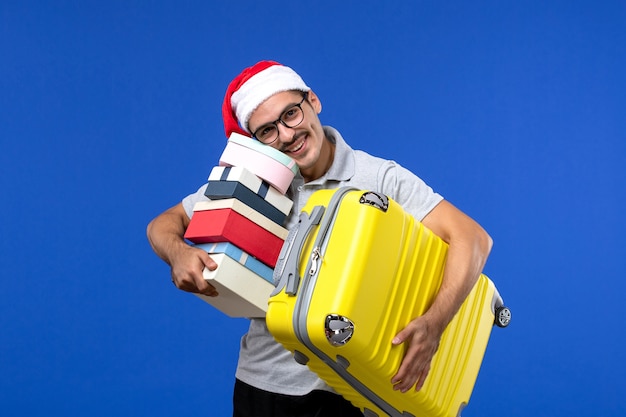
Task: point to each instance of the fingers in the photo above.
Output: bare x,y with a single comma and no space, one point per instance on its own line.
409,376
195,284
203,286
207,260
187,272
209,290
402,336
420,346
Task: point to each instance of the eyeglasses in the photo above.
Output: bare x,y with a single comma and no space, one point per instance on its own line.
292,117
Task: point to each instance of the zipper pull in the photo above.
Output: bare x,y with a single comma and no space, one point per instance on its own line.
315,257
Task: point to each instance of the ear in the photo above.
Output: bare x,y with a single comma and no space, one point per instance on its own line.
315,102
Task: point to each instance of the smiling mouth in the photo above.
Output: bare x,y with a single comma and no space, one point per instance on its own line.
298,143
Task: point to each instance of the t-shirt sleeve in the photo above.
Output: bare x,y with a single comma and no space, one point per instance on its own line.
190,201
409,190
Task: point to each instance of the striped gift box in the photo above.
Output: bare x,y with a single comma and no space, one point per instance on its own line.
236,254
239,183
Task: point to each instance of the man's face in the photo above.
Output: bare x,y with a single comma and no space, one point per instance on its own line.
305,143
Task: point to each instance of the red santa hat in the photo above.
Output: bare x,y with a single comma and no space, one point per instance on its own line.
252,87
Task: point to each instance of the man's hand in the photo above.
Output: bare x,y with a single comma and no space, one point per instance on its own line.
187,266
469,246
166,236
422,341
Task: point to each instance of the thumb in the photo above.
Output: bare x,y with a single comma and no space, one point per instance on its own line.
401,337
208,261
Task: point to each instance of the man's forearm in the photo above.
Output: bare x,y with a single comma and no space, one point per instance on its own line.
465,262
165,233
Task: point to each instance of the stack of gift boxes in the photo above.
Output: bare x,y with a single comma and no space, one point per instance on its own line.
241,226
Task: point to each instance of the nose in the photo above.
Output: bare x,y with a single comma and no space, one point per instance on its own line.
285,134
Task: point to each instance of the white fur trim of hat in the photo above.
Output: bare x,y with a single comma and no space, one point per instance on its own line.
260,87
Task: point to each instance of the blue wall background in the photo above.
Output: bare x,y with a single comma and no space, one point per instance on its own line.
110,113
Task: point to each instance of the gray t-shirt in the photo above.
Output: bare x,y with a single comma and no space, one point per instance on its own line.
263,362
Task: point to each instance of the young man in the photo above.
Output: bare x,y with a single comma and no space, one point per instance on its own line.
271,103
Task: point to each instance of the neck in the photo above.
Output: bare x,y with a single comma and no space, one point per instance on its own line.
325,160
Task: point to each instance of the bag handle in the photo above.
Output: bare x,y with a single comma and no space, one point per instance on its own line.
286,269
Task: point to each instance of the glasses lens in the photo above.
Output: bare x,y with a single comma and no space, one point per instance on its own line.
266,133
293,116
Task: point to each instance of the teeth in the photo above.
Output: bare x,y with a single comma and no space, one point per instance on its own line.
297,148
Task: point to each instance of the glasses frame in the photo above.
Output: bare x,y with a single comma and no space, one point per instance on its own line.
282,122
